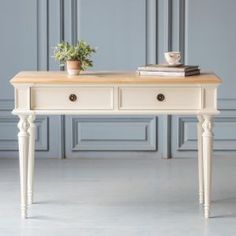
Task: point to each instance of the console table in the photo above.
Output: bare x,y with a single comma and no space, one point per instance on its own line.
95,93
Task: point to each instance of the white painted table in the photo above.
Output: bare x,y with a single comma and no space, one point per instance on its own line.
95,93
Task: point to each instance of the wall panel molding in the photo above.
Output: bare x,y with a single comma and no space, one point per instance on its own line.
227,104
8,127
105,133
187,137
47,139
165,34
62,19
74,20
184,141
182,28
185,132
42,35
6,104
151,31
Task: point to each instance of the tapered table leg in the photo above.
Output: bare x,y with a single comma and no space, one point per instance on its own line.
23,141
207,156
31,131
200,159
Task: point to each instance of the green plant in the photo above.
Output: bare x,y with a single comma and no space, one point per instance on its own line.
81,51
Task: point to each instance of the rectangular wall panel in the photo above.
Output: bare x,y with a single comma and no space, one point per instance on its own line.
8,134
185,143
210,35
47,139
117,29
110,133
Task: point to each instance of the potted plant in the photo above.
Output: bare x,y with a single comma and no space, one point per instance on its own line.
76,57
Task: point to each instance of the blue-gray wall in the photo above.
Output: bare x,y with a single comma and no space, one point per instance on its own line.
127,33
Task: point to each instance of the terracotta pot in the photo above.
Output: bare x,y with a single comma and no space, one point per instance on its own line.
73,67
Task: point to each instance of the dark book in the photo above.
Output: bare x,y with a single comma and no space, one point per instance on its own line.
168,68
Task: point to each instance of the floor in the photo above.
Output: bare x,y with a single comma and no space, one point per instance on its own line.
118,197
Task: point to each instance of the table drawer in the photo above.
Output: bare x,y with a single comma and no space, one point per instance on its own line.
84,98
152,98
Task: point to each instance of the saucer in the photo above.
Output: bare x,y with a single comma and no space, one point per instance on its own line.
174,65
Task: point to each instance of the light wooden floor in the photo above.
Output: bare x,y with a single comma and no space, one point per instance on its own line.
118,197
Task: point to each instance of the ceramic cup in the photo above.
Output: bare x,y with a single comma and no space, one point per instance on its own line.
173,58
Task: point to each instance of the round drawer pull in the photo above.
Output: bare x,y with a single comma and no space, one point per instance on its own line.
160,97
73,97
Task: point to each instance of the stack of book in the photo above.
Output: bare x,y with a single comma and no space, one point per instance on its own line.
168,70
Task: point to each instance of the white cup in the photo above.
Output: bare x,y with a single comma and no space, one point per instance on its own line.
172,58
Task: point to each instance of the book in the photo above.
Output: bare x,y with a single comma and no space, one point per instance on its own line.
166,67
169,73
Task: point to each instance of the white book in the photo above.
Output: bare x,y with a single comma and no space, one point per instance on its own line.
166,67
168,73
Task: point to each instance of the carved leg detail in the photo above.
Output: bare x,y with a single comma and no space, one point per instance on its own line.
200,159
23,141
207,156
31,131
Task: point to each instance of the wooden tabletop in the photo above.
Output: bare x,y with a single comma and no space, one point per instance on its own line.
101,77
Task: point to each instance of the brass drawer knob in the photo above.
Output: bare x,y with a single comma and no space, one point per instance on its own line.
73,97
160,97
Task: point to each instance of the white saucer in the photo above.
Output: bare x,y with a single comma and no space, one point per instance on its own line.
174,65
171,65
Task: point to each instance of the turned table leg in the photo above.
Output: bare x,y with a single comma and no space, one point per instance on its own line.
23,141
200,159
207,156
30,183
